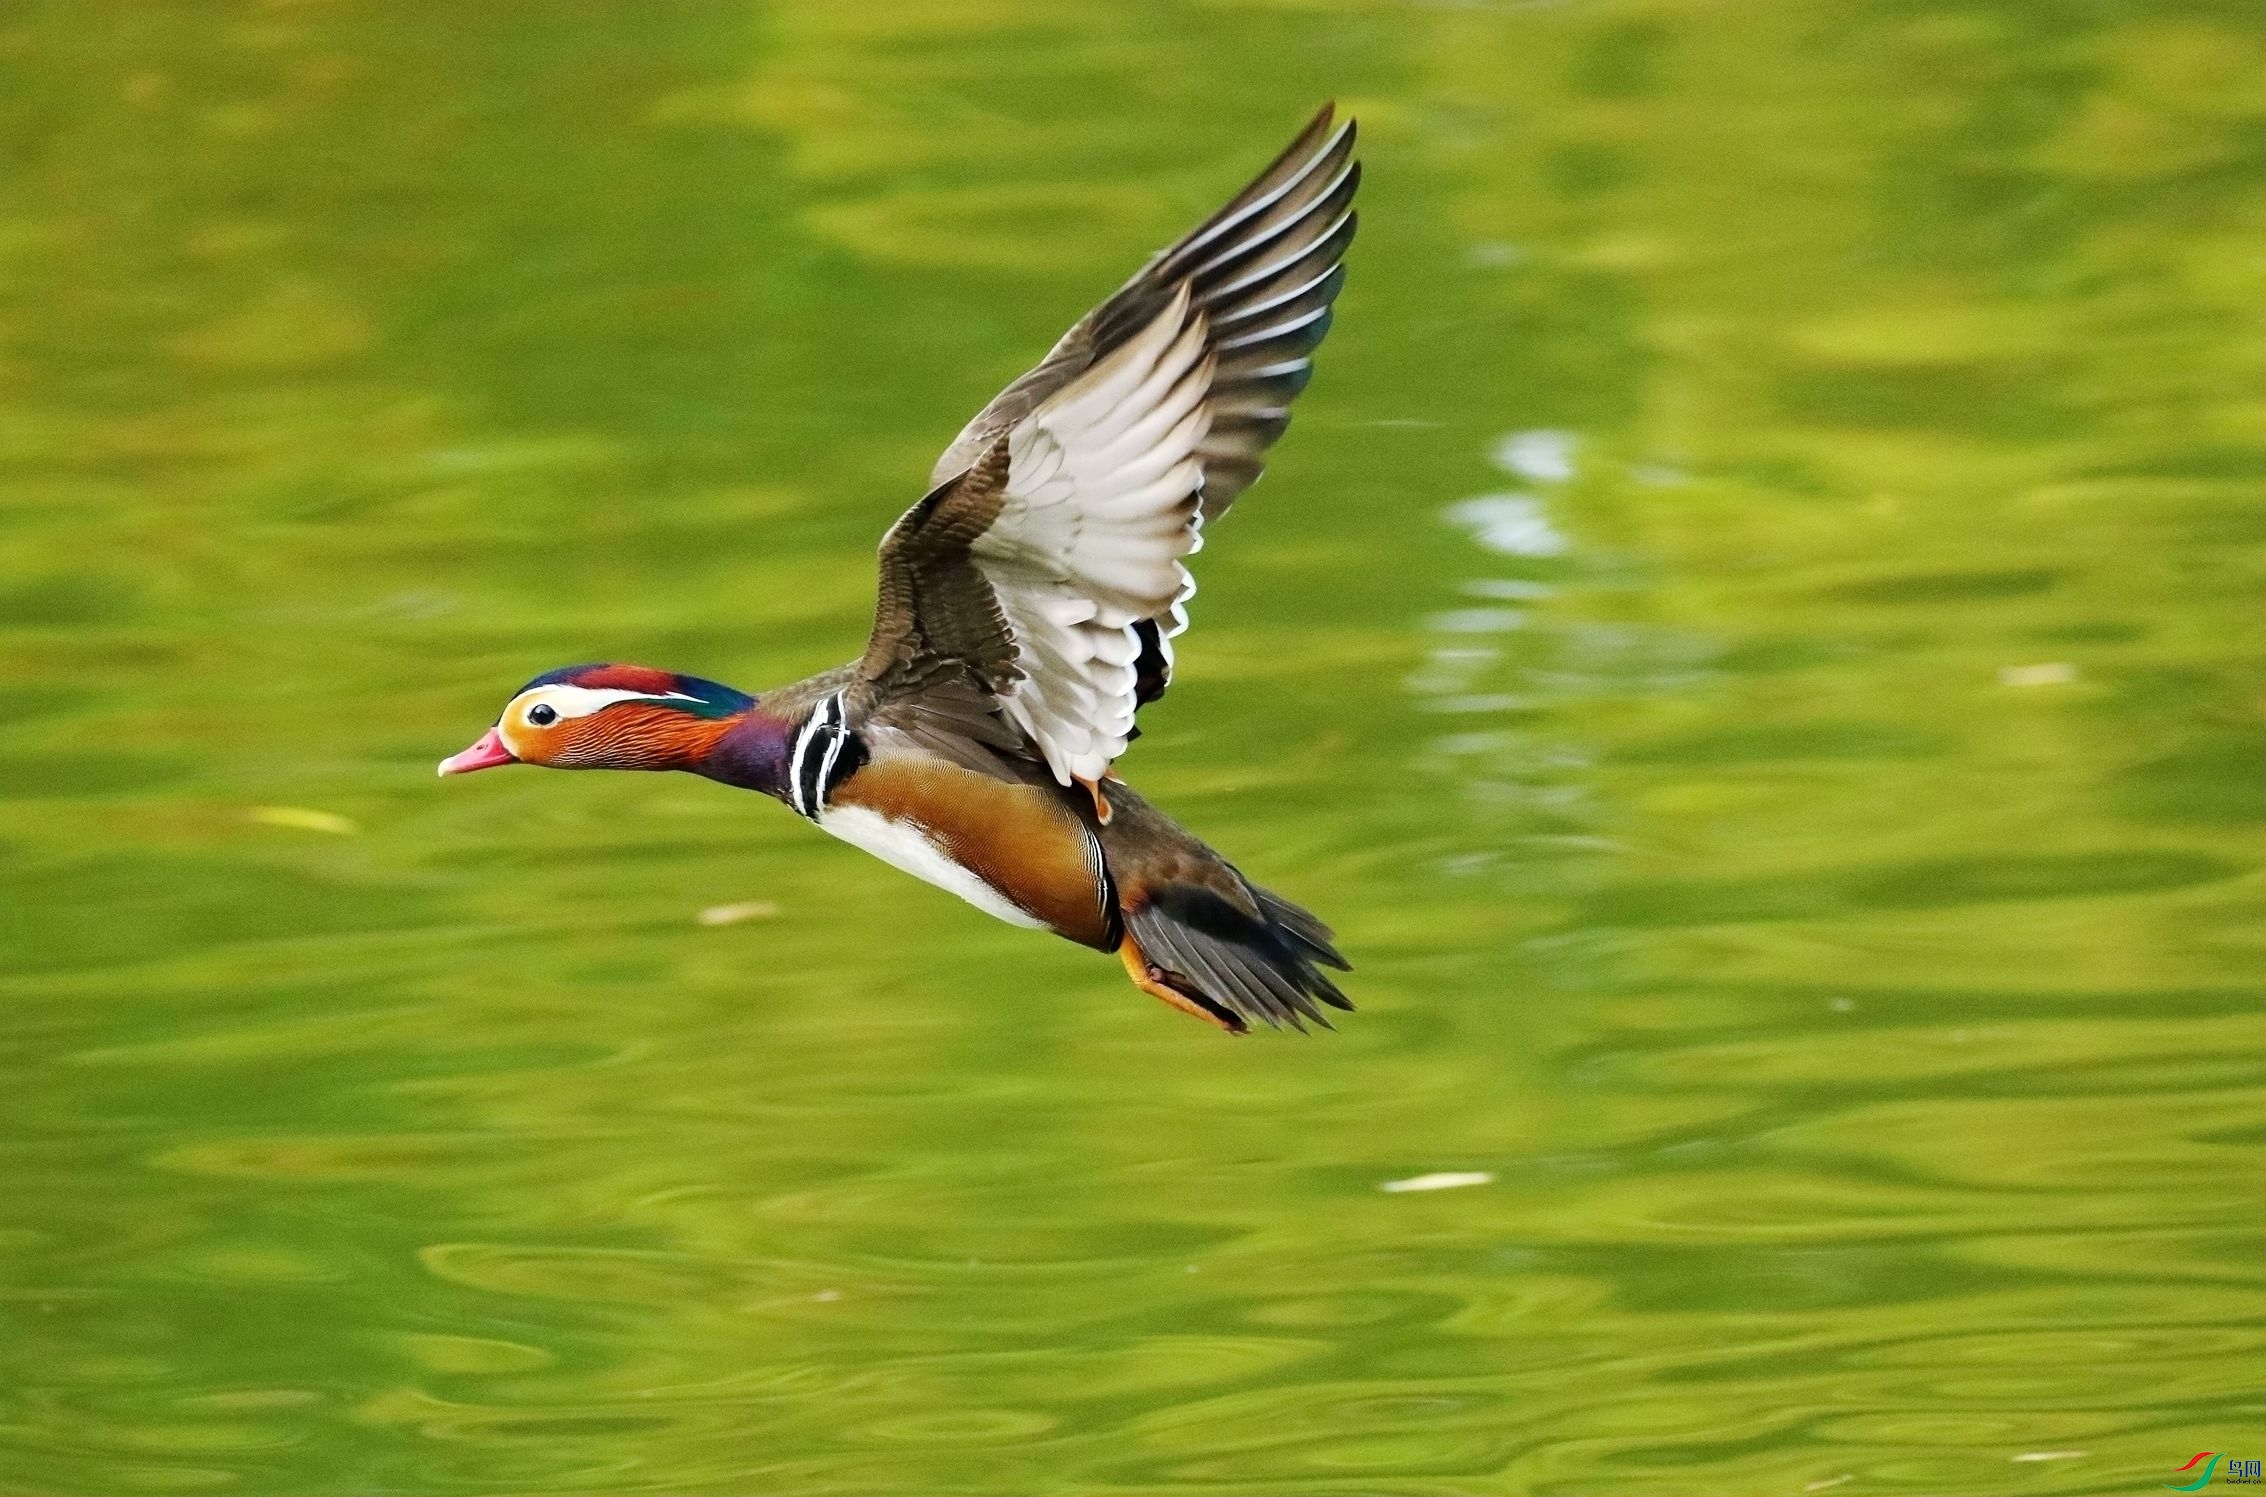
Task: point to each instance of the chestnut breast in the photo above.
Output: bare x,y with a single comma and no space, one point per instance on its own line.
1016,851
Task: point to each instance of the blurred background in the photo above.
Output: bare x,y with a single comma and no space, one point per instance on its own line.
1753,638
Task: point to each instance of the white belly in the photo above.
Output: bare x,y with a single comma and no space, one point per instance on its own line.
903,844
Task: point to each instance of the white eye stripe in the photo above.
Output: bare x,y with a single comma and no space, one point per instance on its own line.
581,701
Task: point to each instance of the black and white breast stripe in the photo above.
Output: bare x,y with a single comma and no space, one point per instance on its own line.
818,755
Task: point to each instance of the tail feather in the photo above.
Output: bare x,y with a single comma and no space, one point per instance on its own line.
1238,954
1258,967
1312,935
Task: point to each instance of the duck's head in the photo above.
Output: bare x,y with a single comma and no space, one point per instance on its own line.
606,717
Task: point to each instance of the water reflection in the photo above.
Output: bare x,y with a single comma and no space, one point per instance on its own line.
1752,638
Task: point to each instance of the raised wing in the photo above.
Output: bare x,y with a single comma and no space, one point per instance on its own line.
1044,568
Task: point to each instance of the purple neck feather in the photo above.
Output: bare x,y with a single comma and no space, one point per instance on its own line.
751,754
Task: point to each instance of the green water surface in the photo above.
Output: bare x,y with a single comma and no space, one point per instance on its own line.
1753,639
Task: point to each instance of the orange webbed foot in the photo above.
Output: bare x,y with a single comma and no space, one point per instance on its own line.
1156,982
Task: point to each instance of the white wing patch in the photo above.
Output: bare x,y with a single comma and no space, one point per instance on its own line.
1101,505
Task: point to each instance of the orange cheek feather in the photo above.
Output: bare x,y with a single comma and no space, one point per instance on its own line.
629,736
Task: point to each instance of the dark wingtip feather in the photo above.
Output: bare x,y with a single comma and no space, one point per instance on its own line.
1299,923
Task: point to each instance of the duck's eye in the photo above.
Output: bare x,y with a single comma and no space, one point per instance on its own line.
542,714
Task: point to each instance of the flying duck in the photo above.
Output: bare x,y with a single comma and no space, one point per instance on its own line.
1027,608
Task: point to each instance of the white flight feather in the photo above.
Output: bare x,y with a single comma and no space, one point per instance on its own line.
1100,507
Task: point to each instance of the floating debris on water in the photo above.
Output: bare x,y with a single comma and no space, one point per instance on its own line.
302,819
2049,673
1443,1180
733,914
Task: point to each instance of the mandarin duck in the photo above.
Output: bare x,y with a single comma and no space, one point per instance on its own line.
1027,608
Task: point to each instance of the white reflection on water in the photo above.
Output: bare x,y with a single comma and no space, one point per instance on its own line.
1513,524
1542,456
1478,620
1506,587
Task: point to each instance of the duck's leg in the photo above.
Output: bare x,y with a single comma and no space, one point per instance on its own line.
1101,801
1157,983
